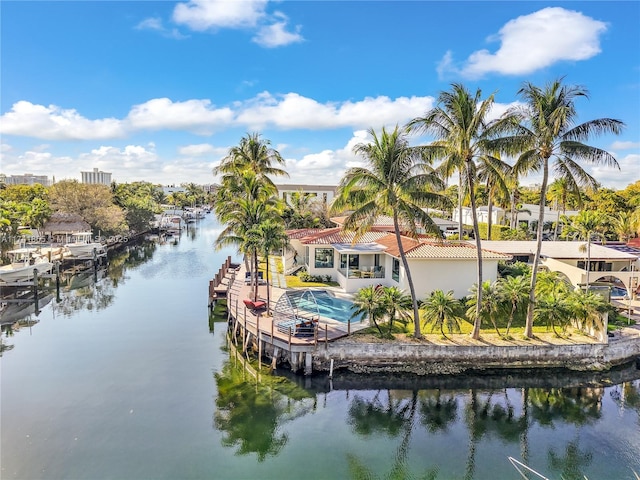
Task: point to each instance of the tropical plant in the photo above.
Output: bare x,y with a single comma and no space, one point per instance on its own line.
273,238
397,304
587,225
589,308
491,303
514,292
554,311
465,138
547,133
397,182
442,310
369,302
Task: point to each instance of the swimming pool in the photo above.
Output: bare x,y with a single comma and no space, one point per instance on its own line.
332,307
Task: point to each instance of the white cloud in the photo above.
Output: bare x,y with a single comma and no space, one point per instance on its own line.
202,149
192,115
276,34
619,145
611,177
201,15
295,111
328,166
289,111
5,147
532,42
54,123
155,24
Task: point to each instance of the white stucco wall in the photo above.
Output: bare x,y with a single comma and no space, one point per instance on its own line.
445,275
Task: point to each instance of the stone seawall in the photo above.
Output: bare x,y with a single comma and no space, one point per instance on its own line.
428,359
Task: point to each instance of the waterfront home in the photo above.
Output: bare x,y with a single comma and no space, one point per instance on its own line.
571,259
527,215
374,259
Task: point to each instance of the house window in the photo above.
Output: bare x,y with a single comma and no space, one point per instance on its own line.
343,261
324,258
354,262
395,271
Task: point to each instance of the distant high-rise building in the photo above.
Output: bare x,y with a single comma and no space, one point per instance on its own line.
27,179
101,178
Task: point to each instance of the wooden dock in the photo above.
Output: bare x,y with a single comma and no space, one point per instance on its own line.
256,330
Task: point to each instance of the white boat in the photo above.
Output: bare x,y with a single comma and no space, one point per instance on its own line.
82,246
23,262
171,223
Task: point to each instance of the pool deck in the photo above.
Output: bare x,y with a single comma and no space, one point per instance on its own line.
260,323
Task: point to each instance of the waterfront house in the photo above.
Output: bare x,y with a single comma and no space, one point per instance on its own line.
571,259
374,259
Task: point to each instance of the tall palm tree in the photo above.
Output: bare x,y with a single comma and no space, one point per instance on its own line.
442,310
562,191
463,137
495,173
256,155
243,203
396,182
585,226
548,136
272,238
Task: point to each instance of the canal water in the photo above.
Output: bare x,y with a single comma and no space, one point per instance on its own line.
123,377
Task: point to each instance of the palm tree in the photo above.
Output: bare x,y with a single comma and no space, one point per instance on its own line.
370,302
397,305
272,238
397,182
490,306
463,137
589,308
515,292
561,191
253,154
242,204
442,310
495,173
554,311
586,225
547,133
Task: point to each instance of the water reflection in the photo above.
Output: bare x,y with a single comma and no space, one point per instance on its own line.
89,289
578,422
251,414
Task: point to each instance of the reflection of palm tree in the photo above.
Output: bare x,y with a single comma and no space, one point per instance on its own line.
437,412
393,418
579,405
571,463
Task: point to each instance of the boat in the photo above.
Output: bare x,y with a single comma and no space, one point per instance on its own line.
83,247
23,262
171,223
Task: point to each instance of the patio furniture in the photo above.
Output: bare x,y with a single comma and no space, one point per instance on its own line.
300,326
256,305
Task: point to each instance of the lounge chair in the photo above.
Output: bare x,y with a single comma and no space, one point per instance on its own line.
255,306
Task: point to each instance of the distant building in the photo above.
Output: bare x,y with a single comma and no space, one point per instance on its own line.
96,177
27,179
322,193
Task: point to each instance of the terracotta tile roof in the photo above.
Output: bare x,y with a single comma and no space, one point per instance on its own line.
335,235
452,251
303,232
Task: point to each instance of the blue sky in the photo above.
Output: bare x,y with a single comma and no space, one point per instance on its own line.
159,91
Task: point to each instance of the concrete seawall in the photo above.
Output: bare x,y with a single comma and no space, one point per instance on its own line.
428,359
